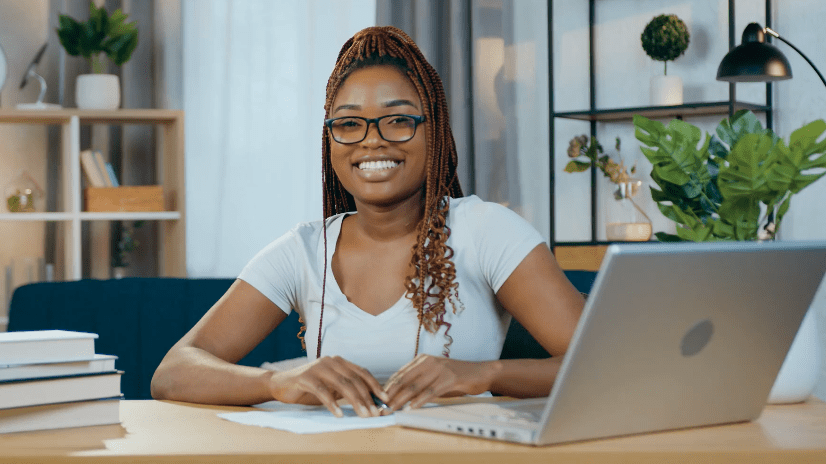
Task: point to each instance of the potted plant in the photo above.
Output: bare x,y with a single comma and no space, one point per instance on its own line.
738,185
625,220
100,35
123,247
664,39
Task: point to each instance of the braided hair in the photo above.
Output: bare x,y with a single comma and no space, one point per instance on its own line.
433,284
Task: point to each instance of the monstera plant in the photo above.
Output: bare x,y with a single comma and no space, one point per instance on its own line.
735,185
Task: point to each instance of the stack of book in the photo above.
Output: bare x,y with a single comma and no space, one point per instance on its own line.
52,379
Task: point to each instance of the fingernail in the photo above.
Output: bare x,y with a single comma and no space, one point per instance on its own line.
406,407
363,411
374,410
338,412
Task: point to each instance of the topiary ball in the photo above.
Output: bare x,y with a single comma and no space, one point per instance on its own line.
665,38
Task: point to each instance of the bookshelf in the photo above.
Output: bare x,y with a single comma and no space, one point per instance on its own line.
170,174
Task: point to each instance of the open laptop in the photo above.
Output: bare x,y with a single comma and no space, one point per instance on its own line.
672,336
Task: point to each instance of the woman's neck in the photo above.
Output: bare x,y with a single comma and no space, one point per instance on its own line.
388,223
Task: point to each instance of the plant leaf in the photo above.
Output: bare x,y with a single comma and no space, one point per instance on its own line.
577,166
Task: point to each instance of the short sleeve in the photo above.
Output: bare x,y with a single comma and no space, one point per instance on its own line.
272,271
502,239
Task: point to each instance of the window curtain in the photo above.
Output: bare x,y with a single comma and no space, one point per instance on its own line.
254,80
493,59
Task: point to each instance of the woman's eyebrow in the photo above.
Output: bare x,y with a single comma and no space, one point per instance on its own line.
346,106
399,102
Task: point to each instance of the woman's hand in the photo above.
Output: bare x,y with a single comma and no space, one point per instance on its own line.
427,377
324,381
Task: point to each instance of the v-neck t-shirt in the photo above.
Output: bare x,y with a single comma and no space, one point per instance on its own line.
488,241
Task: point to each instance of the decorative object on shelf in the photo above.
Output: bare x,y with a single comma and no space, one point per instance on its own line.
624,220
124,245
23,194
754,60
738,184
101,34
31,72
664,39
133,198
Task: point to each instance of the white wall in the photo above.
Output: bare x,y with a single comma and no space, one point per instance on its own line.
622,80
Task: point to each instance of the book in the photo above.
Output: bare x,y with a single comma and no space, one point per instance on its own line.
40,346
112,176
101,165
93,174
52,390
100,363
59,416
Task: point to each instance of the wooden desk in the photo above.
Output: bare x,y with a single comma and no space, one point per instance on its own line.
160,431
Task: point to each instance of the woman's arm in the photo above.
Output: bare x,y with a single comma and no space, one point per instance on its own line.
544,301
201,367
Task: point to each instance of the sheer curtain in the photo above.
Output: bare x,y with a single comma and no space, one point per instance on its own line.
492,57
255,74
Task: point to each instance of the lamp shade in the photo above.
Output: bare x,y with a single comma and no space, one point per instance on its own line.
754,60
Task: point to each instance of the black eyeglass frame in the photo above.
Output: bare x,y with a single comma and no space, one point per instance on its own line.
415,117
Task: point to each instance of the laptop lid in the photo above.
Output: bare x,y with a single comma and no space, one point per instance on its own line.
681,335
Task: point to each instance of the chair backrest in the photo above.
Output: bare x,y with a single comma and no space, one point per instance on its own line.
137,319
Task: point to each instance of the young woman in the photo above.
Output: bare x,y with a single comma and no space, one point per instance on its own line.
406,288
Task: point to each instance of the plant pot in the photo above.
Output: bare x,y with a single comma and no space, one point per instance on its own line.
666,90
798,376
118,272
97,91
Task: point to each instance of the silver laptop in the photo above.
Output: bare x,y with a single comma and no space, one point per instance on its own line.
672,336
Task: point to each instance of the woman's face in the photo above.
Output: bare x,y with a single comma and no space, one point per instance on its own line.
374,170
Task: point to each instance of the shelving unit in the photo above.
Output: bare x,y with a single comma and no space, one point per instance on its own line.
172,241
589,252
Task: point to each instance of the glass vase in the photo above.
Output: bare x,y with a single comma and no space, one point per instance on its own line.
625,220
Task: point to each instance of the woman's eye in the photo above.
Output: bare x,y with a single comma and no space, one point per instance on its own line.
400,120
348,123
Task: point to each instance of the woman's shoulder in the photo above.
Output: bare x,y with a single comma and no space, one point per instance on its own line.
474,209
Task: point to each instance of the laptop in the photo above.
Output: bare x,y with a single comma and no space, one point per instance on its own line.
673,335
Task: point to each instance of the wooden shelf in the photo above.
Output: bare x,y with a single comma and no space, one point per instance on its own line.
170,174
661,112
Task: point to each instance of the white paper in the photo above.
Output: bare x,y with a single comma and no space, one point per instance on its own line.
305,419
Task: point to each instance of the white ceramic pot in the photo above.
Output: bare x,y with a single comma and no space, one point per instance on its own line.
798,376
97,92
666,90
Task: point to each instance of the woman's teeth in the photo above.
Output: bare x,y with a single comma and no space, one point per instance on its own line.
377,165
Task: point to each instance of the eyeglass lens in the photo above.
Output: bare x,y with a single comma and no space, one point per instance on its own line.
394,128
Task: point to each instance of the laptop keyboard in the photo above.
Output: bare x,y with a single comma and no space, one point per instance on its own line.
514,413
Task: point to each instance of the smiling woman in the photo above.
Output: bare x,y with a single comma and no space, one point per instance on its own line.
406,287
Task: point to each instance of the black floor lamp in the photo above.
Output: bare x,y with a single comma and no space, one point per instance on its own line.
754,60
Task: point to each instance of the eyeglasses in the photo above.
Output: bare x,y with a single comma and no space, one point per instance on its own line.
392,128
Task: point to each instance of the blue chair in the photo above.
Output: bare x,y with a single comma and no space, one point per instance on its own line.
139,319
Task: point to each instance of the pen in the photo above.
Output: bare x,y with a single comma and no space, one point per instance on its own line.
379,403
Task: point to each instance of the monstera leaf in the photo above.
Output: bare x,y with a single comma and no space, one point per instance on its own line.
733,184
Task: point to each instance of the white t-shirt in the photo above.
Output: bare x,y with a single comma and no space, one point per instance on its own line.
488,240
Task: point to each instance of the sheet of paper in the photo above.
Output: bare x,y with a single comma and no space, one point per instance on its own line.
305,419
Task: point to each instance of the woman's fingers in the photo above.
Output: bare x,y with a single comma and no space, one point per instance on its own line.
328,379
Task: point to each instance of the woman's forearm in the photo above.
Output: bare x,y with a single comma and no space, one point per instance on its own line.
194,375
523,378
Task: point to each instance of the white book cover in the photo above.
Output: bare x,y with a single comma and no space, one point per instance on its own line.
100,363
46,346
90,168
60,416
19,393
101,165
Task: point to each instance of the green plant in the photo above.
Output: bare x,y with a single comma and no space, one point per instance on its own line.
102,33
665,38
125,244
585,152
736,185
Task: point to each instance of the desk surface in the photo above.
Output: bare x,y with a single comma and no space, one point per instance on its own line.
164,431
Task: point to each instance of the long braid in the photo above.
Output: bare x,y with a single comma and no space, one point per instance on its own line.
433,283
